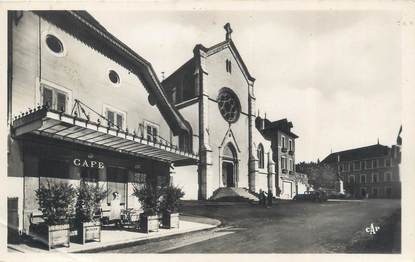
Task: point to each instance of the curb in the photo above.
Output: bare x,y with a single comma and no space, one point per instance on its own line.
139,241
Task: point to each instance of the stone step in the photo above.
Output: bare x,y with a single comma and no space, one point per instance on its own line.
229,192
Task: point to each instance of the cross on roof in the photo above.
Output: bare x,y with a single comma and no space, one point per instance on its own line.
228,30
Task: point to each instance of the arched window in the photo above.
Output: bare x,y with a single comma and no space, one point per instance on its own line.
260,154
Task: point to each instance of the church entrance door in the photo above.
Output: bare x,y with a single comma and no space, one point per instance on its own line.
229,166
228,170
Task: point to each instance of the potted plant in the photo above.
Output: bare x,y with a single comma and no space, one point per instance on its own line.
169,206
88,201
56,201
149,197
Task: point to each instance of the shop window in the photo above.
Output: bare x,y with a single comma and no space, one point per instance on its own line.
151,132
117,179
163,180
89,174
54,98
53,170
115,117
260,155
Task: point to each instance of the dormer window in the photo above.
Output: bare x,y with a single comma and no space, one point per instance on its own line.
228,66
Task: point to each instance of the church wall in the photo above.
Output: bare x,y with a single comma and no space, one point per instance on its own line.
218,78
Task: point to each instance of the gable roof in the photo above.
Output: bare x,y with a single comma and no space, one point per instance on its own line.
213,50
280,125
85,28
360,153
228,44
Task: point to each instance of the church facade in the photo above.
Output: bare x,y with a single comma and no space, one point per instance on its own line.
215,93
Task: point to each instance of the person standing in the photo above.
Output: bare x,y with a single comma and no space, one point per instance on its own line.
261,197
269,198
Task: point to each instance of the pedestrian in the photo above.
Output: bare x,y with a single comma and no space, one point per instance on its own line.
269,198
261,197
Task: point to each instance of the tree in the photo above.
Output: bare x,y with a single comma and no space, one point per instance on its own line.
320,175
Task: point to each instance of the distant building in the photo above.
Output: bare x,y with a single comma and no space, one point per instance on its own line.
283,149
371,171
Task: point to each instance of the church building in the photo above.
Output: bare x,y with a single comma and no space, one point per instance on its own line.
214,91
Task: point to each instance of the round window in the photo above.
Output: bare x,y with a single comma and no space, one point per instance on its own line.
229,105
114,77
54,44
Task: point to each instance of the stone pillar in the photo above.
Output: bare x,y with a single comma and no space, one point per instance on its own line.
205,171
251,125
271,173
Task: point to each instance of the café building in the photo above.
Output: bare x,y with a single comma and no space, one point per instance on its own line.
83,106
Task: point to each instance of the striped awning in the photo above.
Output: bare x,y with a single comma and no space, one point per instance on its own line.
57,125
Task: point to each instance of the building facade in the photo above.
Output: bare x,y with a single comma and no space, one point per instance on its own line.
82,106
283,148
215,92
371,171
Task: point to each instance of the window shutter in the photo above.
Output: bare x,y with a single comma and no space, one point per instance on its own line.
155,134
47,97
110,116
61,102
119,121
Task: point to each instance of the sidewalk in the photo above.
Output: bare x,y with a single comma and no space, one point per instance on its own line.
121,237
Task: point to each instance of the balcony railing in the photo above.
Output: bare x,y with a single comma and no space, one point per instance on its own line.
284,149
284,171
291,152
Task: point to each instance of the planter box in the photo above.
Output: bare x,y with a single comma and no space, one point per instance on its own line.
56,235
170,220
89,231
149,223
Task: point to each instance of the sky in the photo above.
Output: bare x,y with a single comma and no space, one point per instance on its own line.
335,74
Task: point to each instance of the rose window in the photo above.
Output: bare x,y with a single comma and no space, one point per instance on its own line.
229,105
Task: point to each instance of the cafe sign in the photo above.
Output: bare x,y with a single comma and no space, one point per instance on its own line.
78,162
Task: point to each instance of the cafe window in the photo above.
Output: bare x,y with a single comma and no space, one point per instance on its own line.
151,131
55,98
117,178
53,170
115,118
89,174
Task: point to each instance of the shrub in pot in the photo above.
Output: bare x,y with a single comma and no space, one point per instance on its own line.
149,197
56,201
169,206
88,201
